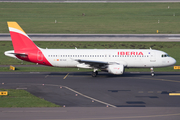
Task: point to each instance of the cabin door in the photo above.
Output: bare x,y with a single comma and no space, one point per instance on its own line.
152,56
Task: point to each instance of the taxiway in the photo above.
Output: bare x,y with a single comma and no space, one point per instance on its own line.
136,96
79,89
99,37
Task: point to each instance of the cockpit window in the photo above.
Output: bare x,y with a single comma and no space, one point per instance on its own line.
165,55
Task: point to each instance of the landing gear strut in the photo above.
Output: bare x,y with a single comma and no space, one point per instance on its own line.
95,73
152,72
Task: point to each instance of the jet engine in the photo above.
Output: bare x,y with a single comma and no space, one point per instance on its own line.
115,69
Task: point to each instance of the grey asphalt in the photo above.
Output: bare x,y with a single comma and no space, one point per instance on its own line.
90,113
90,1
99,37
130,96
128,90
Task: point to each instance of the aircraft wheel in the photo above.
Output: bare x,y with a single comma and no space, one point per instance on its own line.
152,74
94,74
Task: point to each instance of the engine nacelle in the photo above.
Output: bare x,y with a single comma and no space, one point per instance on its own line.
115,69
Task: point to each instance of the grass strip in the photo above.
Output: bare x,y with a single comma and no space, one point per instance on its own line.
92,18
22,98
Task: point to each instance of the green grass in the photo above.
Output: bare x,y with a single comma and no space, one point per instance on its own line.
42,69
172,48
22,98
120,18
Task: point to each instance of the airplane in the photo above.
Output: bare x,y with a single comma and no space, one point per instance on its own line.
113,61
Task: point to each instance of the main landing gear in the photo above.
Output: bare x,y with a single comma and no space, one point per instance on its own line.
95,73
152,72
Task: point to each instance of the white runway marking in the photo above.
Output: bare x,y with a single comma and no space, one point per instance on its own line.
89,97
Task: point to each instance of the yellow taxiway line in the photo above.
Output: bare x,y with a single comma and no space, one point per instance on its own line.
174,94
66,76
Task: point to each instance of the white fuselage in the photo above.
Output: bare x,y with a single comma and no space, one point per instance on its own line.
127,57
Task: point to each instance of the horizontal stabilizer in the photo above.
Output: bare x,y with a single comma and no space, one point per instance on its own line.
12,54
20,54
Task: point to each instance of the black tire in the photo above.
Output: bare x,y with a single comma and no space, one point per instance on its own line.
94,74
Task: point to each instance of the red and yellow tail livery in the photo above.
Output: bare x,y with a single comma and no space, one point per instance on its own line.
24,47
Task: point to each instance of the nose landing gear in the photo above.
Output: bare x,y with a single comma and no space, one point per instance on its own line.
152,72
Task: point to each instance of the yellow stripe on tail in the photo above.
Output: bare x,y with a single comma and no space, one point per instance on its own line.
15,25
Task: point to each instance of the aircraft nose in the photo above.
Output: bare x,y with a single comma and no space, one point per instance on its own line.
173,61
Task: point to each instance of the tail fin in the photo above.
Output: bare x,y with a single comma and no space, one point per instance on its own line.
21,41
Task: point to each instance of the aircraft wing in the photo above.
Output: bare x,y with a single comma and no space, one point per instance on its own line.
94,63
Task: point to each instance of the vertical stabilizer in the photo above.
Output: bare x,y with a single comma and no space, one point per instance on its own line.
21,41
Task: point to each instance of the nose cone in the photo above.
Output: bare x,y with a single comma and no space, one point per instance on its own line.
172,61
